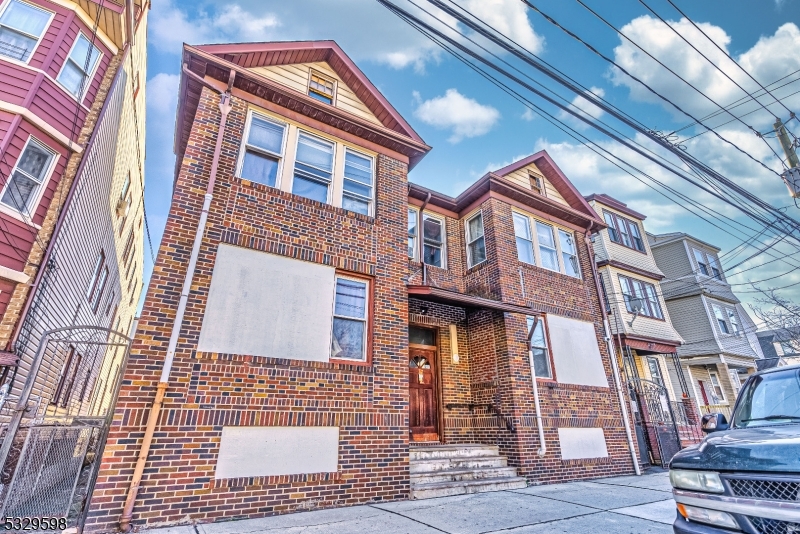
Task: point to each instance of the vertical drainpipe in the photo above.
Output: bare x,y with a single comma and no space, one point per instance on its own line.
155,410
612,354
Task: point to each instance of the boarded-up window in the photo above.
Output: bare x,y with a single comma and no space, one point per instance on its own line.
575,352
265,305
581,443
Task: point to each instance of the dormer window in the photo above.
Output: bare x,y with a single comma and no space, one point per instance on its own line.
707,264
537,184
624,231
321,88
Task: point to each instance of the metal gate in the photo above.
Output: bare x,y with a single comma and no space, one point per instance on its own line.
54,432
655,420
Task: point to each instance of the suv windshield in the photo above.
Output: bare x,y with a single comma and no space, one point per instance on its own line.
770,399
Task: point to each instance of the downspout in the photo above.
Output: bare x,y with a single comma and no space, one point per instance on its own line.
155,410
420,237
539,425
612,353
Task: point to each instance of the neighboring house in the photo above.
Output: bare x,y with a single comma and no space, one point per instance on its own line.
70,79
319,363
720,345
780,347
640,321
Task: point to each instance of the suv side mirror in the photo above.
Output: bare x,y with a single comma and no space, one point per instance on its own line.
714,422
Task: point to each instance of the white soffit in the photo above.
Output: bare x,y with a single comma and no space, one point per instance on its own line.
261,304
261,451
580,443
575,352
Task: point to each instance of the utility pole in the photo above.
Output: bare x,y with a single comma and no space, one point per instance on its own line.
792,176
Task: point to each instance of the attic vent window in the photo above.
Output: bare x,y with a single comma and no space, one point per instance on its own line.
536,182
320,88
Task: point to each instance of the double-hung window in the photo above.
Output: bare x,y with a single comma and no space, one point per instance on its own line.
633,290
433,240
321,88
547,246
522,231
734,320
358,182
719,393
313,168
707,264
624,231
723,324
569,253
655,371
349,340
702,263
21,27
476,243
716,270
28,176
536,183
540,355
263,151
79,66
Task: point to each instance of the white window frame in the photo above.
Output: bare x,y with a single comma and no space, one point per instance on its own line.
546,348
561,252
515,216
710,261
371,210
244,146
36,197
733,320
653,360
334,177
415,237
421,234
38,40
469,240
556,239
366,319
89,75
721,318
712,375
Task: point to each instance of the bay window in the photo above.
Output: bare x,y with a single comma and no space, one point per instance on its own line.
541,247
358,182
569,253
21,28
263,151
522,231
633,289
476,243
624,231
349,340
79,67
433,238
547,246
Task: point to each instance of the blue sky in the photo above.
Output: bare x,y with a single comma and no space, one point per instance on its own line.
473,126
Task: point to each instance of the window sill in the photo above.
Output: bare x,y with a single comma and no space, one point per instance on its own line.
531,266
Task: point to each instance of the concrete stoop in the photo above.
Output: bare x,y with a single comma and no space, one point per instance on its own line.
445,470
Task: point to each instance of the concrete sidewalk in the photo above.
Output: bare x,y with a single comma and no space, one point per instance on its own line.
630,505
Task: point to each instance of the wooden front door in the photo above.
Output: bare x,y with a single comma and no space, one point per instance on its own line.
423,404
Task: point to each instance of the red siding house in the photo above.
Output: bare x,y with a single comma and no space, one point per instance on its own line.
319,332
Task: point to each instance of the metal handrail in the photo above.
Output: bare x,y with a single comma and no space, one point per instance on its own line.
491,407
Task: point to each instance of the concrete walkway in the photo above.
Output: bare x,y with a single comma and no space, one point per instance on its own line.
630,505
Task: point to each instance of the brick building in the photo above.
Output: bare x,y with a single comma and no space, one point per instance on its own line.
311,360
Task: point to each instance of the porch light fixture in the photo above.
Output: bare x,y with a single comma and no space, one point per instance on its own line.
637,305
454,343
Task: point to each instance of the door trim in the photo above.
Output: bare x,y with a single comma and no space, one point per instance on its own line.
437,375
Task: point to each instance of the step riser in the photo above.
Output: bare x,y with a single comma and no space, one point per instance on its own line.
460,489
447,476
441,465
435,453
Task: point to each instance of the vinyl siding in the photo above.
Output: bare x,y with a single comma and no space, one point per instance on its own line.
672,260
737,345
15,82
615,251
691,320
520,177
296,76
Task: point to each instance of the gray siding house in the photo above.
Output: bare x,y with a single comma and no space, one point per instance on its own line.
720,345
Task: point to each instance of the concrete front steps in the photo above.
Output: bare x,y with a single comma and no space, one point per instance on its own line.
445,470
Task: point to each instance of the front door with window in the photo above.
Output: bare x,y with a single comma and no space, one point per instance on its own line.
423,404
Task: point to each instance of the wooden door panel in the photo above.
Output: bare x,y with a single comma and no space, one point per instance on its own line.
423,401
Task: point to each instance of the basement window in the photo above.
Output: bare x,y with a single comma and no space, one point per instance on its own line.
321,88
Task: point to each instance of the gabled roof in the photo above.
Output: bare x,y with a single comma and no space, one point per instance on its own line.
618,205
556,176
657,240
250,55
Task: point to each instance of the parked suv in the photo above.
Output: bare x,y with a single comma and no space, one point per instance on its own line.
745,476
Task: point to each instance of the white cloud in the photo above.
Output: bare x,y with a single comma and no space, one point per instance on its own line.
528,115
162,95
771,58
509,17
584,107
464,116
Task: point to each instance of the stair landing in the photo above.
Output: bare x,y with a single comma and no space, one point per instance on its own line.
445,470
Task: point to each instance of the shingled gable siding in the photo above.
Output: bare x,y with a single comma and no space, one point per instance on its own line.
208,391
494,367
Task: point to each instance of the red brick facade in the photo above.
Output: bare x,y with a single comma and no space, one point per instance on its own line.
369,403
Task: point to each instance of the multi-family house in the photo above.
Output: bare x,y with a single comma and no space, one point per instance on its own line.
780,347
647,343
720,345
71,214
319,332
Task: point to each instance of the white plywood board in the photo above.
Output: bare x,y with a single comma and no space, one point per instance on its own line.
580,443
575,352
261,304
260,451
